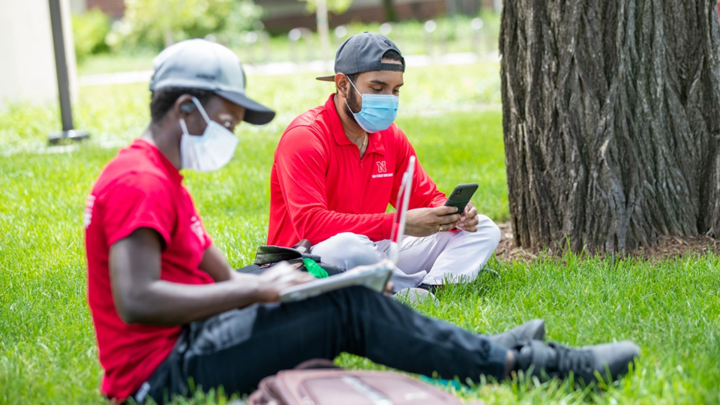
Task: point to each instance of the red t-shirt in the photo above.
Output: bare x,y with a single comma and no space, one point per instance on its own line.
139,188
320,187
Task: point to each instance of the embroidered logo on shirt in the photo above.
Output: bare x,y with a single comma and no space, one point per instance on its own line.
197,228
382,170
87,214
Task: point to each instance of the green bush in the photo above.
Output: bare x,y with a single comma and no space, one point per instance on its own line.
159,23
89,32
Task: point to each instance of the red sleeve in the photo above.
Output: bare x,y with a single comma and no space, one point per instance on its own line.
138,201
301,166
424,190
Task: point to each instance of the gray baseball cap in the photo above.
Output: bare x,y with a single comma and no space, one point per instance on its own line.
363,53
205,65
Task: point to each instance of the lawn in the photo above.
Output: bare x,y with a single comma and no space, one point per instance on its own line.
451,114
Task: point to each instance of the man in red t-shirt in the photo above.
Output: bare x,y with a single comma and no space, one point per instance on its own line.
169,311
338,166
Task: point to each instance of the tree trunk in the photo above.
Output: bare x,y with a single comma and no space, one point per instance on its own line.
611,118
390,14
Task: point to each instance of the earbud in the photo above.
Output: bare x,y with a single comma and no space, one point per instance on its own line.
188,107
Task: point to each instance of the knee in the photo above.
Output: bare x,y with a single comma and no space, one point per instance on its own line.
357,250
348,250
488,231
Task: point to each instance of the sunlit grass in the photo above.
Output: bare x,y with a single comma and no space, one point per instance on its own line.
48,352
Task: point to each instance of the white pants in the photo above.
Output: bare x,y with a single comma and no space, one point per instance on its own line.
435,259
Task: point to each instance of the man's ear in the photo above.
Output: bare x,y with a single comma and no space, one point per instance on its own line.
341,84
184,105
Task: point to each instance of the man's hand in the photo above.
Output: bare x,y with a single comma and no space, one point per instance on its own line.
427,221
469,219
280,277
142,297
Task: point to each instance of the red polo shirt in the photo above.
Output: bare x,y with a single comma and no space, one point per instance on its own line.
320,186
139,188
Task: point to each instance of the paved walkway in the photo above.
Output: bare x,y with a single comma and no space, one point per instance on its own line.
281,68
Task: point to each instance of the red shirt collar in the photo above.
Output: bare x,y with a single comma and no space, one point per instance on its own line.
172,172
375,142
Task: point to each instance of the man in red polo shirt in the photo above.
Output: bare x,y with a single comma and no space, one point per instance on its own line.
338,166
169,311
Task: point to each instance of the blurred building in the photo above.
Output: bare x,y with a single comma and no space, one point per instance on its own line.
27,72
113,8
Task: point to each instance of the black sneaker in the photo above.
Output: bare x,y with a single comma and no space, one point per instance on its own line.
555,360
531,330
431,288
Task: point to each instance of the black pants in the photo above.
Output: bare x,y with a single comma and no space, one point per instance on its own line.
238,348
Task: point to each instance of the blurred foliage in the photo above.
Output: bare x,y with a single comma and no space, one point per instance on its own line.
89,32
457,34
160,23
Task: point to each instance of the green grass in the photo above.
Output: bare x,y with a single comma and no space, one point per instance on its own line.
114,63
47,346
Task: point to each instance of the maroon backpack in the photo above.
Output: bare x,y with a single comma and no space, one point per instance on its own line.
320,382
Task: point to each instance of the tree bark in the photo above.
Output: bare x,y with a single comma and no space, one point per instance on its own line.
611,119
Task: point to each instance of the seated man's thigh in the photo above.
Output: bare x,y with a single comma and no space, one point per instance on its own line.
347,250
238,348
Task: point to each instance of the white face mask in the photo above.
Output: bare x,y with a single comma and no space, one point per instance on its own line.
209,151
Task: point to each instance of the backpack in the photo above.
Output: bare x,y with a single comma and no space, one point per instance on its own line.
268,255
321,382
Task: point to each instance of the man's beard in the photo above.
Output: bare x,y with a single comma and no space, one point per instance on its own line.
352,105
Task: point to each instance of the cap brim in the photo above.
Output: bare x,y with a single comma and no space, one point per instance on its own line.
255,113
326,78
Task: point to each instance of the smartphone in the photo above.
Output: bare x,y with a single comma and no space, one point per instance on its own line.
460,197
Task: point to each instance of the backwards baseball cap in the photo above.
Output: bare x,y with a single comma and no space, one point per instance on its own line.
205,65
364,53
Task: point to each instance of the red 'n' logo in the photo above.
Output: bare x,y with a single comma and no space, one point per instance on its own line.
382,167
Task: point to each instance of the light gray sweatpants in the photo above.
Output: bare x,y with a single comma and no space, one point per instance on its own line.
435,259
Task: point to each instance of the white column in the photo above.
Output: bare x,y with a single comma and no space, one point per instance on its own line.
27,69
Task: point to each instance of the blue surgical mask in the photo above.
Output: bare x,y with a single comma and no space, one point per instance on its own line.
378,111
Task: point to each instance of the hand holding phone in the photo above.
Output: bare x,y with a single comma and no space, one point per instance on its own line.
460,197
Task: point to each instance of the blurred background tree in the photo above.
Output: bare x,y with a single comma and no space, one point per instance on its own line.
131,32
321,8
89,32
390,14
160,23
333,6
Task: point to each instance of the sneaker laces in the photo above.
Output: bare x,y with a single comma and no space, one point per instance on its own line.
578,361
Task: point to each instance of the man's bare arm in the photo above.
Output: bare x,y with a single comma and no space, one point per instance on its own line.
141,297
215,264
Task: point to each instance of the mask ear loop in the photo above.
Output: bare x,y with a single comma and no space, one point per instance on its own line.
201,109
184,126
353,84
358,91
